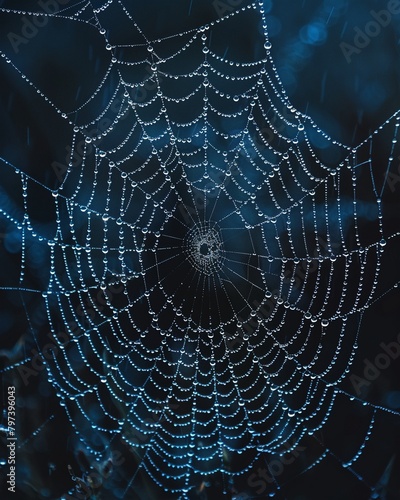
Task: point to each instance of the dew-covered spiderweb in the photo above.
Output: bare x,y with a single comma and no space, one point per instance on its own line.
209,258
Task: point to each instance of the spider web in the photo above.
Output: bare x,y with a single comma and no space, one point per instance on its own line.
211,258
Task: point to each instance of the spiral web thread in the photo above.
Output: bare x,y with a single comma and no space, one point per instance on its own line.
197,207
